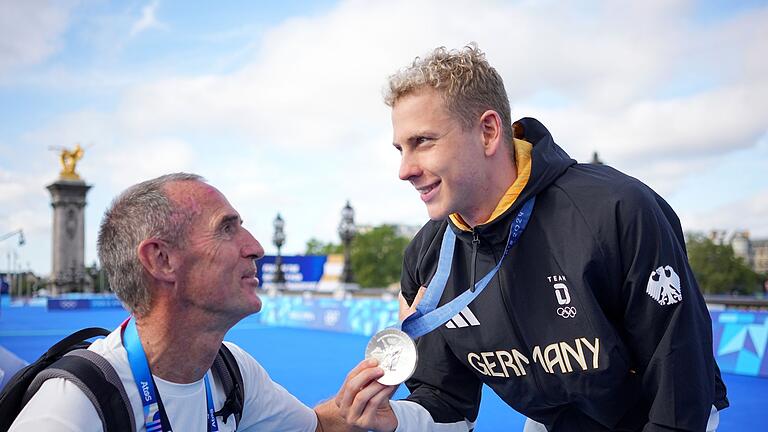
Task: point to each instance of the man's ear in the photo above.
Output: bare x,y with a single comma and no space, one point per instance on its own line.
154,256
491,129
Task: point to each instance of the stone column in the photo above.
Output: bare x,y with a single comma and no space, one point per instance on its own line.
68,202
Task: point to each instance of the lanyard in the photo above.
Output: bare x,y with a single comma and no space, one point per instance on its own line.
155,417
428,316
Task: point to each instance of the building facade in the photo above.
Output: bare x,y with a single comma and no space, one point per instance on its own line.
754,252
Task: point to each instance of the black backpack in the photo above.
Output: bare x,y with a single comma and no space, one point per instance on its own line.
92,373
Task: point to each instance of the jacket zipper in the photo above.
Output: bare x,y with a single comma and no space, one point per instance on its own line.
473,265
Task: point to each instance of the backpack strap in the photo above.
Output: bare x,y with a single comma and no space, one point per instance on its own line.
15,389
98,380
227,370
75,338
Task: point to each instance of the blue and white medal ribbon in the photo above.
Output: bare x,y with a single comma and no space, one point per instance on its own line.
428,316
394,347
155,417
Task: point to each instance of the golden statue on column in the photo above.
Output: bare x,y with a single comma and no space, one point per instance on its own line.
69,160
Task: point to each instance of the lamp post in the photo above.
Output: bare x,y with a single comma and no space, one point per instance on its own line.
279,240
347,233
12,279
13,233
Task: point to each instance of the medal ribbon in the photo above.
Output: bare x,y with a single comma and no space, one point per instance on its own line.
428,316
155,417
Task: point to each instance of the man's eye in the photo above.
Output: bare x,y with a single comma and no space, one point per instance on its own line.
422,140
228,229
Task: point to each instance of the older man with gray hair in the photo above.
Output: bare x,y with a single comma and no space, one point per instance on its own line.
178,257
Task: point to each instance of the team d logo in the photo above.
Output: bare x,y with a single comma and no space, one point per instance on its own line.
664,286
565,310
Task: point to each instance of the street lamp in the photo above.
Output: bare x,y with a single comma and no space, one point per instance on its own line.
12,279
279,240
347,233
13,233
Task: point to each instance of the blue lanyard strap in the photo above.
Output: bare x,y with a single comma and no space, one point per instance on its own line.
213,425
428,316
155,418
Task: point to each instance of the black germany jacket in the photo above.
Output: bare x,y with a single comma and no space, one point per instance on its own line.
594,321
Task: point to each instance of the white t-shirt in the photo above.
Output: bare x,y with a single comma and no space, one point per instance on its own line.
61,406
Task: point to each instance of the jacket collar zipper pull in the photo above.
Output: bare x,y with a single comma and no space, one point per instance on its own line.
472,266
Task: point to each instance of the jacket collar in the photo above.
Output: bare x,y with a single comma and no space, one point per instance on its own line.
540,161
523,161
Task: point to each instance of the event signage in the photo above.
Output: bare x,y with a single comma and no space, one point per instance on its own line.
302,272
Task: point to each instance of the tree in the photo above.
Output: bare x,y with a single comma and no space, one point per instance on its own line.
317,247
717,269
377,256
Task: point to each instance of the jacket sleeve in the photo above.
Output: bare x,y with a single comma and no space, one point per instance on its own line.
441,384
666,322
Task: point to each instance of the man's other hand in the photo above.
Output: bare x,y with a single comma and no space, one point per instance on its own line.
405,310
364,402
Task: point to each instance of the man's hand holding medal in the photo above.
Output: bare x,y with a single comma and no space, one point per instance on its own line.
363,399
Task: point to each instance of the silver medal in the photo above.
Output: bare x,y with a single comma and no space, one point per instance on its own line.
396,354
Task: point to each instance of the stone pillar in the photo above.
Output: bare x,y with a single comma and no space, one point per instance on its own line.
68,202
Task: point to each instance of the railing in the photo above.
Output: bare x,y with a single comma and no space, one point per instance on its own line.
728,302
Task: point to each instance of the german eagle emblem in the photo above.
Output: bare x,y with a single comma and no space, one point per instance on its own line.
664,286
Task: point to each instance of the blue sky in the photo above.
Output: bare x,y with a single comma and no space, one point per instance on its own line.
279,104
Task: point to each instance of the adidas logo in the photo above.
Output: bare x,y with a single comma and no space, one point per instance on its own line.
465,318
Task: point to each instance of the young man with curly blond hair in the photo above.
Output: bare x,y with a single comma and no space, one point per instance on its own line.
588,318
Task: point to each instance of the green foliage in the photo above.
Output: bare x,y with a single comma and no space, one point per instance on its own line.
377,257
717,269
97,278
317,247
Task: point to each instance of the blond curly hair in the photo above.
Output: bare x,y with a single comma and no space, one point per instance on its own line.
468,84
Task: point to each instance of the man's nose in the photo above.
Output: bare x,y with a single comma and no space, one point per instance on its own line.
252,248
409,167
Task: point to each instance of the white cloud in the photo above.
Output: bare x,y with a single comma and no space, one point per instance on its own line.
648,131
30,31
24,205
148,19
746,214
312,73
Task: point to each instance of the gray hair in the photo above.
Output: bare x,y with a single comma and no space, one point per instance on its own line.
467,82
142,211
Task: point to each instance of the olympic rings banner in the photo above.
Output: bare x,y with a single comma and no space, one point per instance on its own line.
83,301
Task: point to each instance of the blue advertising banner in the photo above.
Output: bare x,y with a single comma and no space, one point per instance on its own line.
359,316
302,272
740,339
69,303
